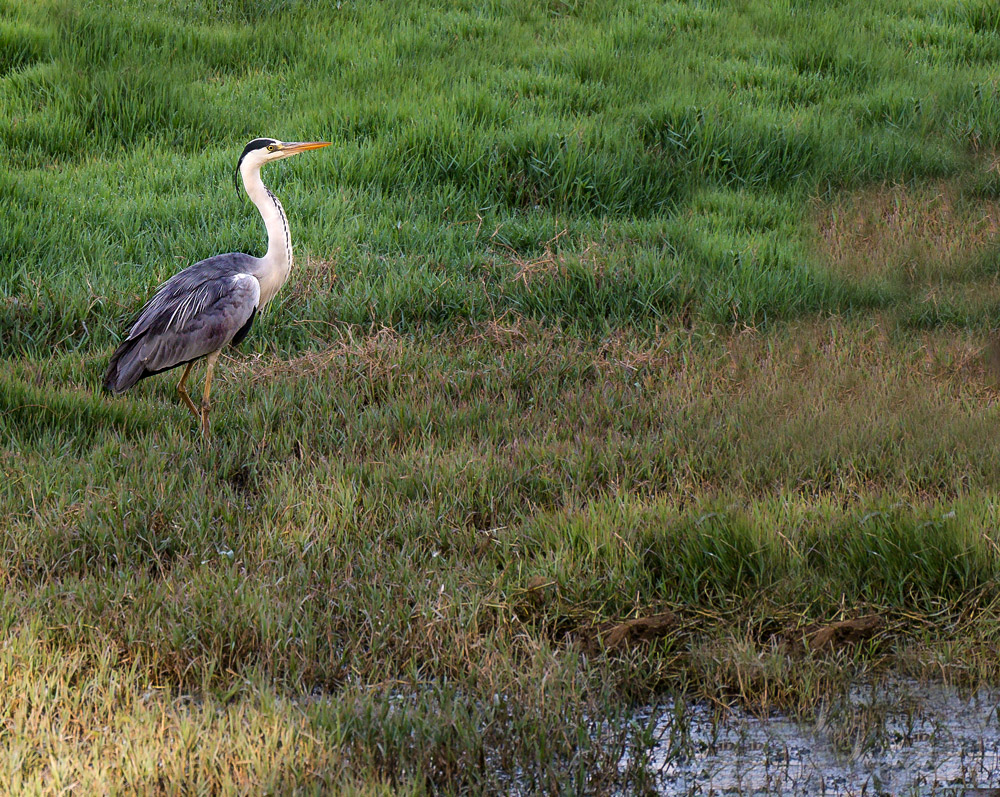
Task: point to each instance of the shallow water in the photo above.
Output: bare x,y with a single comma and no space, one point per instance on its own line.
898,738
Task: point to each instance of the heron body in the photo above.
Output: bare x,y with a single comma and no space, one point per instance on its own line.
205,307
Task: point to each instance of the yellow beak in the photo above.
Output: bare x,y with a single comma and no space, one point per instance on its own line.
302,146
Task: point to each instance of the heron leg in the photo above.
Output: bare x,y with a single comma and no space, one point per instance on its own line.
205,404
183,391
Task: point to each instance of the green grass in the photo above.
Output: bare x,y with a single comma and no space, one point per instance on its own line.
599,309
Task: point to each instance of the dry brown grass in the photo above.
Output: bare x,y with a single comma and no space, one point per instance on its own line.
551,262
314,276
374,350
907,234
962,362
786,409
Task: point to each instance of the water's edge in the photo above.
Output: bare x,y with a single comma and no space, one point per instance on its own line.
902,737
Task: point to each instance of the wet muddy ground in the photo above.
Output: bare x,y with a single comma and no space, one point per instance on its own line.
898,738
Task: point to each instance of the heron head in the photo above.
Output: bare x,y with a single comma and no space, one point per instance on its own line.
263,150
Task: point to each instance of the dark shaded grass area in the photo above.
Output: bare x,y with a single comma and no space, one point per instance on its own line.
455,455
369,530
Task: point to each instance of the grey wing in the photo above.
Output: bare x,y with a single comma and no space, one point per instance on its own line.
203,321
182,286
195,313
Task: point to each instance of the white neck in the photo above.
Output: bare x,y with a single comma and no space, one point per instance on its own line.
277,262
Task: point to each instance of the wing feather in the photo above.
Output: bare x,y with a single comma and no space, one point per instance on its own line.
183,286
203,322
194,313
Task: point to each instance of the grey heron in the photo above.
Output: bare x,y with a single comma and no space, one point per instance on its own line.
212,303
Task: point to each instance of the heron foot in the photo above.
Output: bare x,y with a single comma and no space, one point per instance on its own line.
205,407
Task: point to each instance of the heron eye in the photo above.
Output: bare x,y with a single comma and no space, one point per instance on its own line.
270,147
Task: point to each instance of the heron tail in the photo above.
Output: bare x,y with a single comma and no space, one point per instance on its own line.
125,367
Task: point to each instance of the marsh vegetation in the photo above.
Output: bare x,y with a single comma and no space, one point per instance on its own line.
600,310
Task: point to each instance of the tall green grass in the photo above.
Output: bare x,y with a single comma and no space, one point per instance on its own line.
458,128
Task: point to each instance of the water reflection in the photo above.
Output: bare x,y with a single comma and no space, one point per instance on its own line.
896,738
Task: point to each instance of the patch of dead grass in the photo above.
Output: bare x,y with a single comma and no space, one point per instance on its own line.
509,331
903,233
552,261
377,351
313,276
801,354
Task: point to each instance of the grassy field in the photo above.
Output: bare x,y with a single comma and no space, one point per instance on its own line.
600,310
